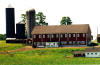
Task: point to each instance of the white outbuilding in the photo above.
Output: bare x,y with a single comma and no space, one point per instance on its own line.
92,52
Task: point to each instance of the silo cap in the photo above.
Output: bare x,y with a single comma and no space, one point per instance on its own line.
31,9
10,6
21,22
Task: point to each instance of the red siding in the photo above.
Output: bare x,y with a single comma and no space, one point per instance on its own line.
71,38
81,38
61,39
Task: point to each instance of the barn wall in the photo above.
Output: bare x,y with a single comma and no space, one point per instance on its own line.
62,39
92,55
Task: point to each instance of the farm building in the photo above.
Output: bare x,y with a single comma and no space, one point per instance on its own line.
92,52
61,35
89,52
98,38
79,54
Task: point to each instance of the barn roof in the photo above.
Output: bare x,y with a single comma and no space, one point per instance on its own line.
78,52
54,29
92,50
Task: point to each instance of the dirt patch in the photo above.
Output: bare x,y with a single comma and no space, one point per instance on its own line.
26,48
3,52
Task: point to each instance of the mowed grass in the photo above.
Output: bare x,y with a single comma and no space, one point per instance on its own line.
9,46
56,56
60,56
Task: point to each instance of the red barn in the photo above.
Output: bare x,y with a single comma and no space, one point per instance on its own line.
98,38
61,35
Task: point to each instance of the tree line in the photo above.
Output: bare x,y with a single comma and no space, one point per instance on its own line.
2,36
40,19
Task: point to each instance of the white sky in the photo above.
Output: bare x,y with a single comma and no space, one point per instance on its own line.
80,11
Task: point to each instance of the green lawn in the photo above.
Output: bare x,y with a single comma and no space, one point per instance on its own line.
9,46
58,56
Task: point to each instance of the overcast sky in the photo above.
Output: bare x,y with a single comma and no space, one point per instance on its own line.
80,11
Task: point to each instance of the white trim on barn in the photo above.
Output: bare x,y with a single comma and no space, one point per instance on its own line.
52,44
47,44
40,44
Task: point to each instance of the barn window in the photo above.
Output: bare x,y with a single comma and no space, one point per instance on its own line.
43,36
61,35
78,42
91,53
69,35
70,42
34,36
63,43
57,35
42,43
35,43
78,35
39,36
73,35
74,42
65,35
38,43
52,36
82,42
48,36
84,35
95,53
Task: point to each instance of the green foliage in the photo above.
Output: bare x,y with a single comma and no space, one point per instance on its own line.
65,21
2,36
93,44
23,17
40,18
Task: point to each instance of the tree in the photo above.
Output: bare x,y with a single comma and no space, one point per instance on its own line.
40,18
2,36
93,44
69,21
65,21
23,17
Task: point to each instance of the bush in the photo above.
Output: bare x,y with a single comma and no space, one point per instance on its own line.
93,44
2,36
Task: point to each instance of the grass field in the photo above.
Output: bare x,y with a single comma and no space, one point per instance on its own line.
9,46
57,56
